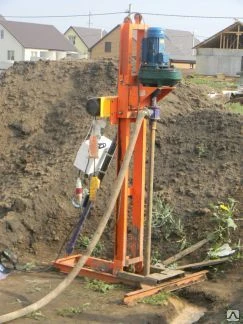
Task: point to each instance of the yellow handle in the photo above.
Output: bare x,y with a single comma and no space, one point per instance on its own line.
94,186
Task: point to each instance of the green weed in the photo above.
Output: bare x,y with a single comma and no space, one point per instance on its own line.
83,242
158,299
99,286
27,266
37,316
163,219
201,150
72,311
223,214
156,258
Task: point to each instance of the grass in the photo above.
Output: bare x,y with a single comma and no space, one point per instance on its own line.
166,222
213,82
235,107
37,316
156,257
99,286
158,299
201,150
83,242
72,311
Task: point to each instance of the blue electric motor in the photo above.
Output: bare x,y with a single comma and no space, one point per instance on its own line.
155,69
153,48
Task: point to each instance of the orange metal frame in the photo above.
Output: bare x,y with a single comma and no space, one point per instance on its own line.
132,97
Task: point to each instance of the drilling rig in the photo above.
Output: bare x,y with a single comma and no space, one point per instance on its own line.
145,77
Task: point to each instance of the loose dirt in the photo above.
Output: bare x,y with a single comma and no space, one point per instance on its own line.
43,123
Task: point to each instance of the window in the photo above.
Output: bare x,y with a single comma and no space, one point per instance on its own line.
11,55
2,34
72,39
34,53
43,54
107,47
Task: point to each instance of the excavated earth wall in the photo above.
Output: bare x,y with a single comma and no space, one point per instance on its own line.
43,123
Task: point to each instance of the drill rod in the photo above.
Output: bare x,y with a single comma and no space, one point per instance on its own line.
147,256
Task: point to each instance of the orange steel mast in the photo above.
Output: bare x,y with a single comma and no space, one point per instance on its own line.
132,96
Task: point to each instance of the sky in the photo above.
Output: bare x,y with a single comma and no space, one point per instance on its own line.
202,28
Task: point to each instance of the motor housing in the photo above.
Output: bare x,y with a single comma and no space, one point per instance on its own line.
155,69
153,48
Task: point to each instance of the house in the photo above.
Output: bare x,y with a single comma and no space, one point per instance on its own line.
21,41
222,52
178,44
83,38
107,46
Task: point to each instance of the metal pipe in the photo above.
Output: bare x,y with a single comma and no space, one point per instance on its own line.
147,256
148,229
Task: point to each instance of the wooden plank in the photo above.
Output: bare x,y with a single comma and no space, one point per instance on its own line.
170,286
238,38
202,264
234,32
221,40
185,252
166,275
133,260
151,279
123,275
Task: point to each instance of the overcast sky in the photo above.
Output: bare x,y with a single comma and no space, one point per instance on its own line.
202,28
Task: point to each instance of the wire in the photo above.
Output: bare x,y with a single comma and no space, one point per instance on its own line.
70,16
125,12
190,16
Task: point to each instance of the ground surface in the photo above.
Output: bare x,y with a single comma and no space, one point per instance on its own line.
43,122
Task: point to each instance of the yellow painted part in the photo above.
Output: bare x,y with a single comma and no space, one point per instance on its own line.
105,106
94,186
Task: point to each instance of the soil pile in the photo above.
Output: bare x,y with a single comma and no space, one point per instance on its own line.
43,123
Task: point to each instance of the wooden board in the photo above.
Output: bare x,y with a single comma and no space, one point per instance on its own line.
171,285
165,275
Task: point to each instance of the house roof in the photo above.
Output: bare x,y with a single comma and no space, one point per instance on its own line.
179,45
107,34
38,36
214,40
89,36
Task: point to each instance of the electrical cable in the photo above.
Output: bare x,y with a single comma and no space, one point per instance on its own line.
123,12
70,16
189,16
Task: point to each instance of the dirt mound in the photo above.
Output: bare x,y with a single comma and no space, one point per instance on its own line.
43,123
